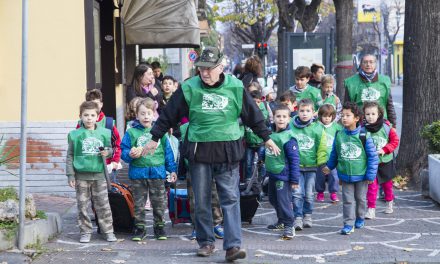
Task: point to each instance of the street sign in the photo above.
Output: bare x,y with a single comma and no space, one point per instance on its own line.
192,55
247,46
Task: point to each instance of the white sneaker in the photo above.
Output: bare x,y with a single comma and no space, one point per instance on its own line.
389,209
110,237
371,213
148,205
85,238
307,221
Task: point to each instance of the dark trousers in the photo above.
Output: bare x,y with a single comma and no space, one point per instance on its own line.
280,197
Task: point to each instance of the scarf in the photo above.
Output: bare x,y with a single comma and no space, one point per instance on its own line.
300,124
368,76
374,127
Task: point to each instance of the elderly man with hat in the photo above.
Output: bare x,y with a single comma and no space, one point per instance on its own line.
214,102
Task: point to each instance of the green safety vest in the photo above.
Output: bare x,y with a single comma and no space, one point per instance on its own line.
360,91
308,142
251,138
330,133
139,138
352,159
330,100
312,93
86,144
213,112
275,164
380,139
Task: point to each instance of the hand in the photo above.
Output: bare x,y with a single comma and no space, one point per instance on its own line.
380,152
104,153
294,186
135,153
370,182
149,148
170,131
173,177
273,147
71,183
154,91
326,170
114,165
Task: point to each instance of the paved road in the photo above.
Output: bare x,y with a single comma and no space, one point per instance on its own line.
411,234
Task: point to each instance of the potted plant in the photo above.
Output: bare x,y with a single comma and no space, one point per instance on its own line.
431,132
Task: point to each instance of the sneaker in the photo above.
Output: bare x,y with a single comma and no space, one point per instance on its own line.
234,254
334,197
371,213
140,233
110,237
320,197
288,233
359,223
159,231
298,224
85,238
347,230
389,208
307,222
148,205
193,235
218,231
276,227
205,251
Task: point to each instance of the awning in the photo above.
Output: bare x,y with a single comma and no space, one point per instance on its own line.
161,23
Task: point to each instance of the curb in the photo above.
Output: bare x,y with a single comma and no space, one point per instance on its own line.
35,232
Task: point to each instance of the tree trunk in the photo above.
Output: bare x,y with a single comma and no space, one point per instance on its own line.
344,28
421,54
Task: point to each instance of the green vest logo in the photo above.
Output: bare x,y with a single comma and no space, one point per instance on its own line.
214,102
379,142
144,139
305,142
370,94
350,151
91,145
330,140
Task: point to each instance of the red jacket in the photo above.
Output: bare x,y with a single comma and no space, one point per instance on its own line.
116,141
393,141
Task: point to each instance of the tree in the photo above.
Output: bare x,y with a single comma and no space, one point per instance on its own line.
421,54
288,12
344,28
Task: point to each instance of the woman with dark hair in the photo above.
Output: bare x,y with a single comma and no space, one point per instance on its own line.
253,70
142,85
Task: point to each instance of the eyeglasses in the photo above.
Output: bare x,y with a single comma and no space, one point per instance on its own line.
368,62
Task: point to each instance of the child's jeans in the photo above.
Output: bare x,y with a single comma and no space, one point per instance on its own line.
95,190
303,195
372,192
155,190
280,197
333,181
250,157
353,201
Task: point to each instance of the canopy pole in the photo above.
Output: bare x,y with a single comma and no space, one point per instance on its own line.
23,128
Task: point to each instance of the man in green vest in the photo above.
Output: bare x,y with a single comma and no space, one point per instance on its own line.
369,85
214,102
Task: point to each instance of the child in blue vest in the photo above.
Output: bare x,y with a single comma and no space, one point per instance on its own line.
327,115
283,172
386,141
356,163
85,171
312,143
147,173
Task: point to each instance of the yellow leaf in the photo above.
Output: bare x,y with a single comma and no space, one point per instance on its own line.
358,248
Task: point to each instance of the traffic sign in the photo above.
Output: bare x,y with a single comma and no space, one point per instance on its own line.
247,46
192,55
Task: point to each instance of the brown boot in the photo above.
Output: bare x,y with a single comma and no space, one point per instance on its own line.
205,251
234,254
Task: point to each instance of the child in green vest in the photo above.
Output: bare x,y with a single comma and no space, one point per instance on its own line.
283,172
303,90
85,171
147,173
312,143
327,88
288,98
255,144
386,141
354,156
327,115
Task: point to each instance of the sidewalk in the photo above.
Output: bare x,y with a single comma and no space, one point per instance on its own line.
411,234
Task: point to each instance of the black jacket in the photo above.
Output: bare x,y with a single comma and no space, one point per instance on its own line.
211,152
